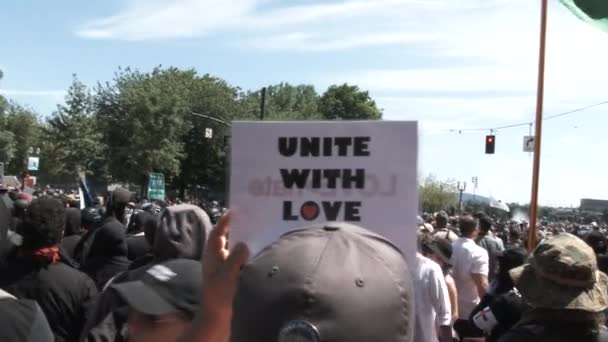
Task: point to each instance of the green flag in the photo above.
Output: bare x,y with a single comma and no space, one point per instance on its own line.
594,12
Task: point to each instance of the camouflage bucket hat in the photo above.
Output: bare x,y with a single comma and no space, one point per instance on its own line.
563,274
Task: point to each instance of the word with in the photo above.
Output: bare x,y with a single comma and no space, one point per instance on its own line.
300,178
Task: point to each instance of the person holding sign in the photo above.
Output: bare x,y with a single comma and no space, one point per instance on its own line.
331,281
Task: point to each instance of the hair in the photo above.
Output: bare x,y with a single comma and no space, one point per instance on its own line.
597,241
485,223
480,214
441,221
467,225
117,203
424,239
43,223
150,227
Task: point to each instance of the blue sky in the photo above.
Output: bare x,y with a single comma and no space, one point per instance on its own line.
449,64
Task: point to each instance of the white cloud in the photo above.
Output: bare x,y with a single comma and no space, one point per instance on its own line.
450,64
163,19
301,41
51,93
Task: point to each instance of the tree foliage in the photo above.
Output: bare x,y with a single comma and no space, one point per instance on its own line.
436,195
24,128
349,103
72,140
141,122
142,117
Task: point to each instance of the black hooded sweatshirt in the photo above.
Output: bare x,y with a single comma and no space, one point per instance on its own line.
64,293
108,252
110,312
71,233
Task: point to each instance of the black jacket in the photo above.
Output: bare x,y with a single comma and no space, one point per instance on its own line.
22,320
554,326
108,252
137,247
63,293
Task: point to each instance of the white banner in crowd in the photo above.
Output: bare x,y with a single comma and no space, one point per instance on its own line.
286,175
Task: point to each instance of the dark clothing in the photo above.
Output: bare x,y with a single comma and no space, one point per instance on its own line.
22,320
493,248
547,326
137,247
63,293
108,252
143,261
68,244
82,248
72,222
5,225
602,263
507,308
110,313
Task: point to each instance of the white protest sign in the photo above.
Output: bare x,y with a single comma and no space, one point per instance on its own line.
286,175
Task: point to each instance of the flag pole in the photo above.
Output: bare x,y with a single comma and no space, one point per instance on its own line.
540,94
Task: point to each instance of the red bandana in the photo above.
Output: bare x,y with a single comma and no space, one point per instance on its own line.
48,254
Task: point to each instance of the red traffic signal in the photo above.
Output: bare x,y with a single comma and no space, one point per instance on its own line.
490,144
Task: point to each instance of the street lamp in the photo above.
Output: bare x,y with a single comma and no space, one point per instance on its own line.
461,188
475,185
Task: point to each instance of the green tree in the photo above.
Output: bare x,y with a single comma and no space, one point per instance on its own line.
349,103
7,147
437,195
205,158
73,141
24,128
283,102
143,118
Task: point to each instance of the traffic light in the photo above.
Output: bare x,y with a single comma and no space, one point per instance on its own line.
490,144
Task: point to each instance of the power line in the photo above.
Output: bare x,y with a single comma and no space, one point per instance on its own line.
528,123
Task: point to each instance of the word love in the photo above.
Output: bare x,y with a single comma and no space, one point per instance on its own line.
332,211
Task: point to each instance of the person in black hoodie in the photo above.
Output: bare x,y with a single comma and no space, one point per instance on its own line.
108,252
182,233
91,219
138,245
37,270
71,234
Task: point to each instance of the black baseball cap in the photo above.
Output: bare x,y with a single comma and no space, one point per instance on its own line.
442,248
169,287
331,282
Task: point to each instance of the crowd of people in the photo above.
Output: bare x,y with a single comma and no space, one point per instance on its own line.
142,271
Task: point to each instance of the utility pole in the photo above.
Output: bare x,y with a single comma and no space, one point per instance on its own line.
263,104
461,188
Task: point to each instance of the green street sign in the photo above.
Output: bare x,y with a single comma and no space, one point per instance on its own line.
156,186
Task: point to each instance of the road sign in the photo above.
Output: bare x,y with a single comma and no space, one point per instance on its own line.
33,163
208,133
529,143
156,186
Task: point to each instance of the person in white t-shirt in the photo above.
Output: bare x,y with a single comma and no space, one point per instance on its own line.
470,270
432,300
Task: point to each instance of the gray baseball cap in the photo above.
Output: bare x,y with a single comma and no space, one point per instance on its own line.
331,282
